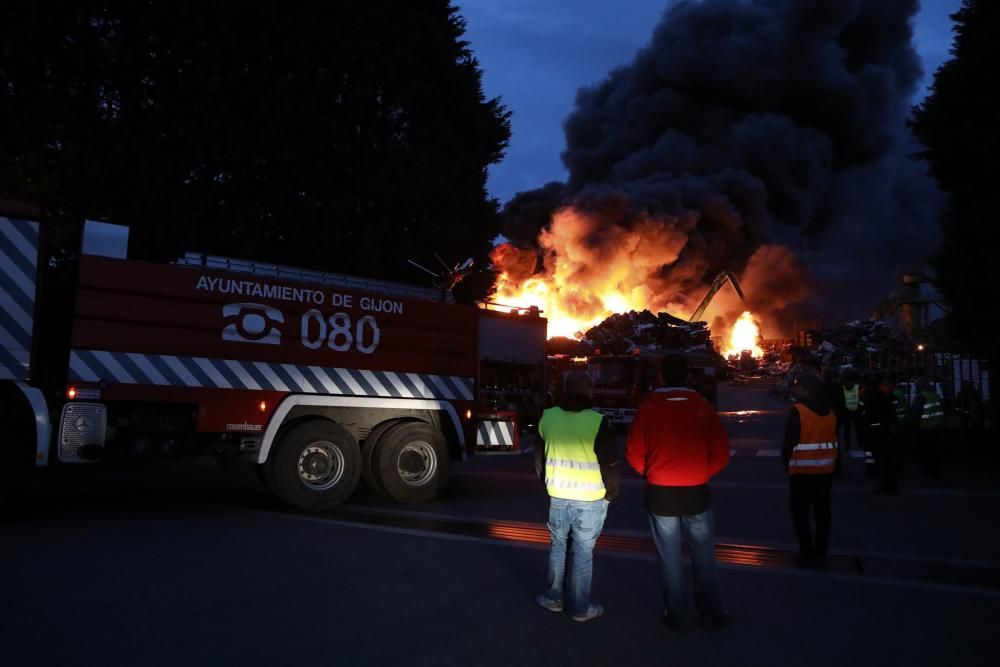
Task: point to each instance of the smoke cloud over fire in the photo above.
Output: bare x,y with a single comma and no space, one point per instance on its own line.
766,138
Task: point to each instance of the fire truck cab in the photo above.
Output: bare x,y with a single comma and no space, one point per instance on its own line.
622,381
318,380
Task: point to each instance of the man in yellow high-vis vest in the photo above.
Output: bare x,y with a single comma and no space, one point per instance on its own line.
579,462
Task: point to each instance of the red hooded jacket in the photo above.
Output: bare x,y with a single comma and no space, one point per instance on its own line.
677,439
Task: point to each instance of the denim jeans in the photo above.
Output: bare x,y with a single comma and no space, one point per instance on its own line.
581,520
699,532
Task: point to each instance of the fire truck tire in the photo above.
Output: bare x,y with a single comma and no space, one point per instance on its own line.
411,462
316,466
368,456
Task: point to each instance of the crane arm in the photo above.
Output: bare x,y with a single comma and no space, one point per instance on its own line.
717,284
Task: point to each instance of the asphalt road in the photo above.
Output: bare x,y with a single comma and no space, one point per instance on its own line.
187,565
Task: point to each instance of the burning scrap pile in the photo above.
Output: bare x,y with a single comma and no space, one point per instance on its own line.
626,332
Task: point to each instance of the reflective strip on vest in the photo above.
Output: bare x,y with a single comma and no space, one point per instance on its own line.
811,446
575,465
570,484
571,467
816,452
812,463
933,414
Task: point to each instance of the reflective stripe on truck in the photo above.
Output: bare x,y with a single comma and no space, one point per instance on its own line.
176,371
18,278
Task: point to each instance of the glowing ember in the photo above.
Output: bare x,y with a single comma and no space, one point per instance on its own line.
745,336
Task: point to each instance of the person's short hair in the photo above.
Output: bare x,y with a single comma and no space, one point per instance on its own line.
578,382
674,369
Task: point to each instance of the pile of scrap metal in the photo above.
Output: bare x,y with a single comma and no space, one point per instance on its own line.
624,333
853,344
746,367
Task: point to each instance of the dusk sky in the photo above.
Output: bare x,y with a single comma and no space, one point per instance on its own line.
535,54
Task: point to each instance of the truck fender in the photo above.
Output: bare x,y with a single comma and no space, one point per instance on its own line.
290,402
43,426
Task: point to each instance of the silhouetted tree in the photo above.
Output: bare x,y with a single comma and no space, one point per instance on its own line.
346,136
959,124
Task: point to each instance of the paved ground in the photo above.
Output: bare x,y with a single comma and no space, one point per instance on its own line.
191,568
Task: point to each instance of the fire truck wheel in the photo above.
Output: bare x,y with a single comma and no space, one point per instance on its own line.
368,456
316,466
411,462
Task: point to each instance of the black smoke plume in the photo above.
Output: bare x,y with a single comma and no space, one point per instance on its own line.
769,136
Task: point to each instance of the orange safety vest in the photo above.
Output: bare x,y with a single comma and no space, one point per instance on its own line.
816,452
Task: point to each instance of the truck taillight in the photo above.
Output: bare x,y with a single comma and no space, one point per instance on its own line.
263,406
71,393
468,414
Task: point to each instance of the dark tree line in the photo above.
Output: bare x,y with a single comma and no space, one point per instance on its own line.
347,136
959,124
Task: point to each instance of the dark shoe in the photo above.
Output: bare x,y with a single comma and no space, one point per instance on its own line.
718,621
593,611
673,622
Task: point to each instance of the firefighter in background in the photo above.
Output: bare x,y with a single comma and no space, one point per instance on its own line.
903,434
928,417
969,405
878,419
847,409
810,452
578,460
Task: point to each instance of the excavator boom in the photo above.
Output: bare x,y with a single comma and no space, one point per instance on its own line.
717,284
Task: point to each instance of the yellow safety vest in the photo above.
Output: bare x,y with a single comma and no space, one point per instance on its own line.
851,398
571,468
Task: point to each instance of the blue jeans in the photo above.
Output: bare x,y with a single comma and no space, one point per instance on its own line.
699,533
582,520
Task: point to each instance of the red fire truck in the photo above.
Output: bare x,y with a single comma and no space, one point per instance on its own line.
622,381
316,379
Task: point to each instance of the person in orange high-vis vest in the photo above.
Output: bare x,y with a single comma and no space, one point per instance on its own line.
811,455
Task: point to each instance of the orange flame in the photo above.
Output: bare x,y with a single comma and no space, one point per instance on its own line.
744,336
569,311
581,281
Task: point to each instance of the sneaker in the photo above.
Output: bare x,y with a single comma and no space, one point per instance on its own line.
549,603
721,620
593,611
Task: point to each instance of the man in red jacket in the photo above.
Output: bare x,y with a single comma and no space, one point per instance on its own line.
677,443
